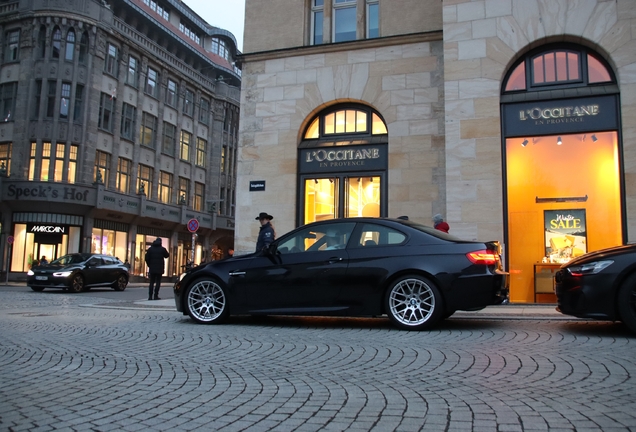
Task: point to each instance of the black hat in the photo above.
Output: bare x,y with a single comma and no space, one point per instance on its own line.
263,215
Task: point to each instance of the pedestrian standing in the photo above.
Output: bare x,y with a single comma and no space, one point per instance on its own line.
155,256
266,235
43,260
439,224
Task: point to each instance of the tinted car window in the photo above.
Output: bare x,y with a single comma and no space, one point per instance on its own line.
108,260
95,261
322,237
379,235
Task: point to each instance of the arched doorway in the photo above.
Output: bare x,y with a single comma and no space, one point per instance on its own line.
343,163
563,173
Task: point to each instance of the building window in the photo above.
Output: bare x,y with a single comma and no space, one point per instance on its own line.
171,93
12,45
70,45
152,81
346,121
220,48
148,130
124,167
223,157
199,193
37,95
56,43
188,103
46,161
79,103
110,64
102,170
169,138
106,111
344,28
128,117
165,187
83,52
50,101
200,158
184,145
317,17
58,163
204,111
373,19
132,76
41,47
144,180
184,190
32,161
7,103
190,33
65,100
5,157
72,164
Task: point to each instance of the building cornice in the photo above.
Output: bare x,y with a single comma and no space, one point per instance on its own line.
412,38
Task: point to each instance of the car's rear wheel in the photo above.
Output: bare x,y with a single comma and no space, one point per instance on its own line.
121,283
77,283
37,289
413,303
627,302
206,302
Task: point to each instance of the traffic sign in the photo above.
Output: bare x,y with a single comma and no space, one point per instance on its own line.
193,225
10,239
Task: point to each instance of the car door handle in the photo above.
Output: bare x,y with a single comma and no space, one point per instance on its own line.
237,273
334,260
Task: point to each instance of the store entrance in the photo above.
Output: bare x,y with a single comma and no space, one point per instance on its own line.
564,199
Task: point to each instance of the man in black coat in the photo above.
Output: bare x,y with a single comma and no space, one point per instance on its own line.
266,235
156,265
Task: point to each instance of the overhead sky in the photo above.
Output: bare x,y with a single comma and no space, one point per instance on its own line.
226,14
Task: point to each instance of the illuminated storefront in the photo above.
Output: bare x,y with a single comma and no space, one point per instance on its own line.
563,166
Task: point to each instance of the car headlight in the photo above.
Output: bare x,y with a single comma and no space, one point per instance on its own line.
30,273
62,274
589,268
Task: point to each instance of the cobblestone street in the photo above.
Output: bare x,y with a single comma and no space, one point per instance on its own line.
70,363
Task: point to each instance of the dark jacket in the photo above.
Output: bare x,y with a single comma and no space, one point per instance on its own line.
265,237
154,257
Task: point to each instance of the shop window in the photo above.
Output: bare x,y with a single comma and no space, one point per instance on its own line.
124,168
346,121
363,197
70,45
169,138
12,45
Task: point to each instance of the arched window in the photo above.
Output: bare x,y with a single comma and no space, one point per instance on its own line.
70,45
345,121
83,52
42,42
557,66
56,43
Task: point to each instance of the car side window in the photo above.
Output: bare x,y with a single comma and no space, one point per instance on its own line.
379,235
109,260
95,261
317,238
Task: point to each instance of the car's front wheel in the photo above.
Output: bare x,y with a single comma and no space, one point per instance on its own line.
206,302
627,302
413,303
37,289
121,283
77,283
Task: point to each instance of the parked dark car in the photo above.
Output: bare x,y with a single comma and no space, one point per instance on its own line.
350,267
600,285
78,272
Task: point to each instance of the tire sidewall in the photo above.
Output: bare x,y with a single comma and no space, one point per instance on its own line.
435,317
626,311
71,286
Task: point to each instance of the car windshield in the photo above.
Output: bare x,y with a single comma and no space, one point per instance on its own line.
70,259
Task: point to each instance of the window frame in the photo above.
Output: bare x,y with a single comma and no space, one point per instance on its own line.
317,10
12,45
151,87
168,140
148,130
106,113
124,173
102,164
8,95
185,145
145,174
132,74
201,146
204,111
111,60
69,49
172,93
339,6
165,187
128,121
188,102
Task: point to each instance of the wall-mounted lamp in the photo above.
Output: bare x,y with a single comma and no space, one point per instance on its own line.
594,139
559,141
524,143
316,181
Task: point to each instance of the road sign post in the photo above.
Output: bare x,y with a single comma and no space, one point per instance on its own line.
193,226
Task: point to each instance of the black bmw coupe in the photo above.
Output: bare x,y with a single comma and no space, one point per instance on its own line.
600,285
350,267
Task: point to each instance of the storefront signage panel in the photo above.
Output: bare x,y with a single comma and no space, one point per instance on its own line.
48,192
341,158
561,116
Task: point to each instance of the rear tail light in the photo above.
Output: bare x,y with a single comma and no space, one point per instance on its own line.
483,257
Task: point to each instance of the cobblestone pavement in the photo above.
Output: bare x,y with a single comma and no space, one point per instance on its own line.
66,366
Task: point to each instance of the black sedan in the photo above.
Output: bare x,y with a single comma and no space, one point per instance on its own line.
78,272
600,285
350,267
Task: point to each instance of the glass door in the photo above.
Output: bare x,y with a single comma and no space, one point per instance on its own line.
321,199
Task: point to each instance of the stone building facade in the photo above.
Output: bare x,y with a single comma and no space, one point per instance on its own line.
514,120
120,127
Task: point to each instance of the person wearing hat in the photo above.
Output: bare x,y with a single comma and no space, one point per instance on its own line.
439,224
155,260
266,235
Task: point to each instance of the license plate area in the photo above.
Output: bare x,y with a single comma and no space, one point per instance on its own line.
41,278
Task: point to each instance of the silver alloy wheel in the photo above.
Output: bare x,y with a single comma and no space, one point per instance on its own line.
412,302
206,301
